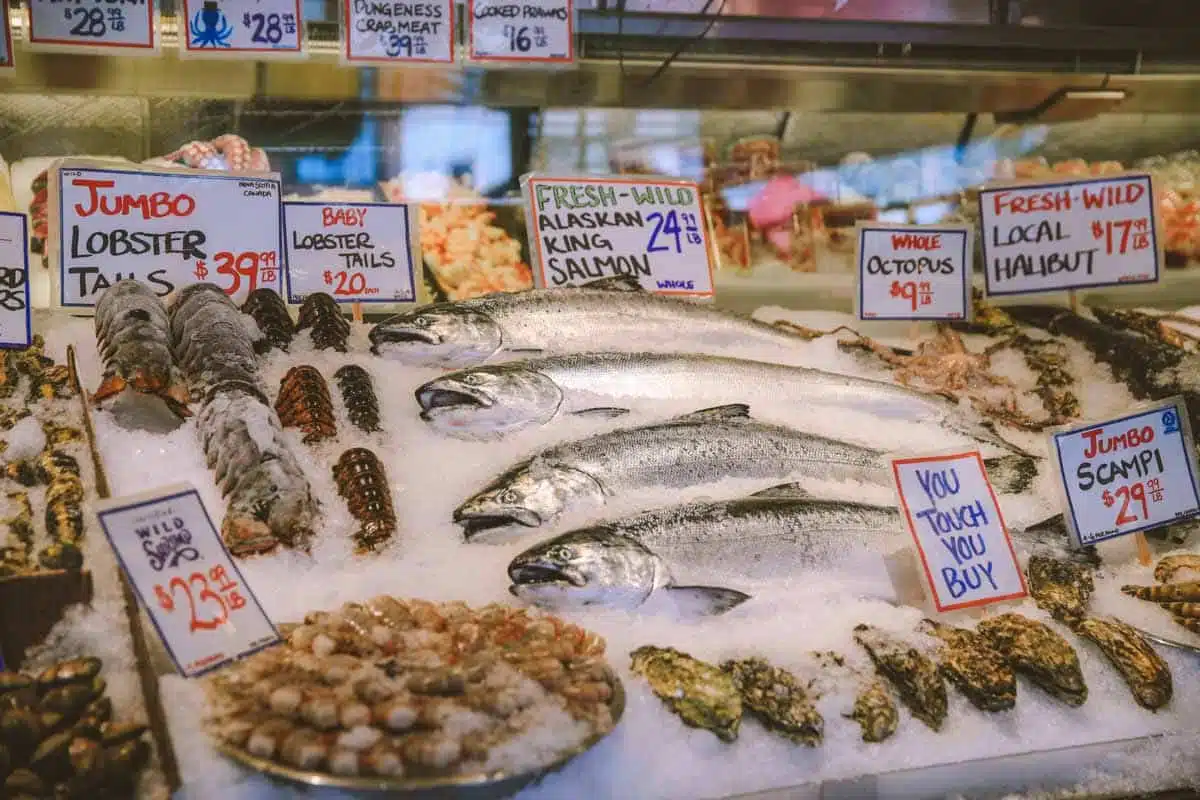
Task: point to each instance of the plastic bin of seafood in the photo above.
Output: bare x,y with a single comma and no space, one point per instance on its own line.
711,494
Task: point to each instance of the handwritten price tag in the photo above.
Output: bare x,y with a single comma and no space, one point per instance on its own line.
15,328
584,229
92,24
539,31
399,32
358,252
913,271
167,229
1128,474
199,602
223,27
1069,235
959,532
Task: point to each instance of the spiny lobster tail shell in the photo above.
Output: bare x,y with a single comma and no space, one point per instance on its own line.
269,311
358,393
134,339
330,329
211,339
362,482
304,403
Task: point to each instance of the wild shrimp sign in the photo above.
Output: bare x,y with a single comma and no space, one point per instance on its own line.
913,271
1128,474
166,229
583,229
1069,235
959,532
199,602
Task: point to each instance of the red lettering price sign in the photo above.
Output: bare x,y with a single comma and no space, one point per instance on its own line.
167,229
651,231
959,532
357,252
913,272
1067,235
408,33
228,27
532,31
199,602
1129,474
93,25
15,329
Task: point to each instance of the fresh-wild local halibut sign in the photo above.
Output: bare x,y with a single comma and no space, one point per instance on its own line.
1069,235
585,229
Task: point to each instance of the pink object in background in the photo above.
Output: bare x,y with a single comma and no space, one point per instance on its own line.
771,209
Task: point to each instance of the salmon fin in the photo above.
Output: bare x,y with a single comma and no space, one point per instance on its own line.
792,490
705,600
601,412
615,283
732,411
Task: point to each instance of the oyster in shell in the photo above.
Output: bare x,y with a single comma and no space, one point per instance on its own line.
874,707
973,667
1060,588
1038,653
914,675
1145,671
777,699
700,694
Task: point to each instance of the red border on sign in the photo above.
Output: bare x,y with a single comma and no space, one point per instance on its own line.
537,233
8,42
912,529
299,48
384,59
570,57
33,39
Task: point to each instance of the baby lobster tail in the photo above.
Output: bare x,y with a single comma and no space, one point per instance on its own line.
330,329
358,393
304,403
362,482
134,340
269,501
210,339
270,313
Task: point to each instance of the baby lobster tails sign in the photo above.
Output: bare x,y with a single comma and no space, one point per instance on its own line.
1128,474
166,228
960,535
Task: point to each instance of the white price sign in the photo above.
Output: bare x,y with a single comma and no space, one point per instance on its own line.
961,538
913,271
357,252
1128,474
197,599
402,33
584,229
1069,235
15,329
87,24
537,31
166,229
222,27
6,54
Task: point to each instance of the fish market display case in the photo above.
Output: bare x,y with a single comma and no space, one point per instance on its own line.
677,655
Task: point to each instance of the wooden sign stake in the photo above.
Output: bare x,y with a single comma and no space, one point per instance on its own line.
1143,548
1073,300
356,311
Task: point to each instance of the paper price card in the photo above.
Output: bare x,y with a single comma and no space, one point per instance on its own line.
539,31
14,280
913,271
357,252
224,27
584,229
1069,235
197,599
960,535
399,32
167,229
6,45
92,24
1128,474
